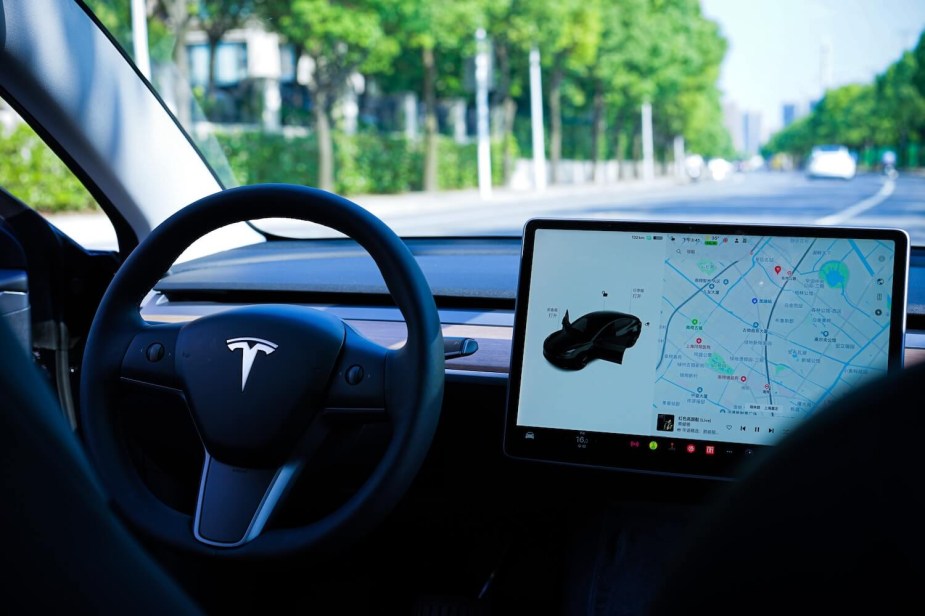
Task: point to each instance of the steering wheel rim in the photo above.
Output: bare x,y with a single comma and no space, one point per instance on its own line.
413,404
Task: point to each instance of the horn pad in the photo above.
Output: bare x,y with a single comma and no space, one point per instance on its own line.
255,376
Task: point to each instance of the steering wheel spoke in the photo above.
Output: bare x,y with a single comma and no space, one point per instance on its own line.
357,390
236,503
150,357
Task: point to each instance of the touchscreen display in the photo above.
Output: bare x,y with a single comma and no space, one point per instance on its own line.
684,348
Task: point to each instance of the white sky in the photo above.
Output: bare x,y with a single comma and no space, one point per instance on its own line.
774,53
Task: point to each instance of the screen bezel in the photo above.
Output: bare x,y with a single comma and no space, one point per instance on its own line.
616,451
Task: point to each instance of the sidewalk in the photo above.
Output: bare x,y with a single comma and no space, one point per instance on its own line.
92,230
425,201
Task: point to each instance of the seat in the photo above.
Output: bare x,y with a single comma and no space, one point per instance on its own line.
65,283
829,521
64,549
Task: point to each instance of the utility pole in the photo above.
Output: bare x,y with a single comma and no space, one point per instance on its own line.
481,108
536,121
140,38
679,156
648,150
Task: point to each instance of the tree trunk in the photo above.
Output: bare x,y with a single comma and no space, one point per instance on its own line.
430,119
555,117
325,141
508,160
508,110
637,156
178,18
181,90
213,51
619,142
210,98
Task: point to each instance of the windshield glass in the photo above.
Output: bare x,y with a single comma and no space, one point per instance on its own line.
467,117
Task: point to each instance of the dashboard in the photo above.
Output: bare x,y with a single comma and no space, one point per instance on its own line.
475,284
547,529
474,281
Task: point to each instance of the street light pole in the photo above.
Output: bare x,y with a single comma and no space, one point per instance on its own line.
140,38
648,149
536,121
481,107
679,156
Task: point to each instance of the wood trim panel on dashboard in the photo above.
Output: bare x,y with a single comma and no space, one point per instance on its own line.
494,354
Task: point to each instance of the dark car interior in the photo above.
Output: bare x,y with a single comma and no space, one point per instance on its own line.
366,424
814,519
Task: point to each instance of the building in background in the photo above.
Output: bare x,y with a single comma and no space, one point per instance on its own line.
788,114
751,133
791,112
744,128
732,118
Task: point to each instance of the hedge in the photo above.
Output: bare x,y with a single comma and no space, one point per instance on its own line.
364,163
32,172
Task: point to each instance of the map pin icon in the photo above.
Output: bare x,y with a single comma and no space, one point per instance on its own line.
777,269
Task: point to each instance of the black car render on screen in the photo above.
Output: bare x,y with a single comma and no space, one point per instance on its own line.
604,334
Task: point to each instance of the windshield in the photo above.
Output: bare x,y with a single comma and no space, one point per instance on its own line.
467,117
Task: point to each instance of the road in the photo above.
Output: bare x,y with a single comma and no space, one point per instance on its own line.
762,197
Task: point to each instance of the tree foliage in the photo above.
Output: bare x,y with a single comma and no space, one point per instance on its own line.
339,37
216,18
918,77
437,36
601,60
887,113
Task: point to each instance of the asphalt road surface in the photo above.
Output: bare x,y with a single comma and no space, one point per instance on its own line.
759,197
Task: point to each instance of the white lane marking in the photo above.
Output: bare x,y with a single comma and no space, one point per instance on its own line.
861,206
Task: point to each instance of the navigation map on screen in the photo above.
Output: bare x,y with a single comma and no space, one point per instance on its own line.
719,336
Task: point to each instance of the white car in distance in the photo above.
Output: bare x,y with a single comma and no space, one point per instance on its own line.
831,161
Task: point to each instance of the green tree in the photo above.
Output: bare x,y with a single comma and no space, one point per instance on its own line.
848,115
436,36
687,53
890,112
900,104
339,37
177,17
116,17
216,18
796,140
506,31
627,66
614,81
567,34
664,52
918,77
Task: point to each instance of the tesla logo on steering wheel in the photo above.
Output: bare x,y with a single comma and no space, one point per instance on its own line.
250,347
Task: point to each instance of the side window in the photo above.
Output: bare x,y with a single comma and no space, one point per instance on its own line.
49,288
33,173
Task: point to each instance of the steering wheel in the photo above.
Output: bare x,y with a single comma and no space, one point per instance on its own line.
262,383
